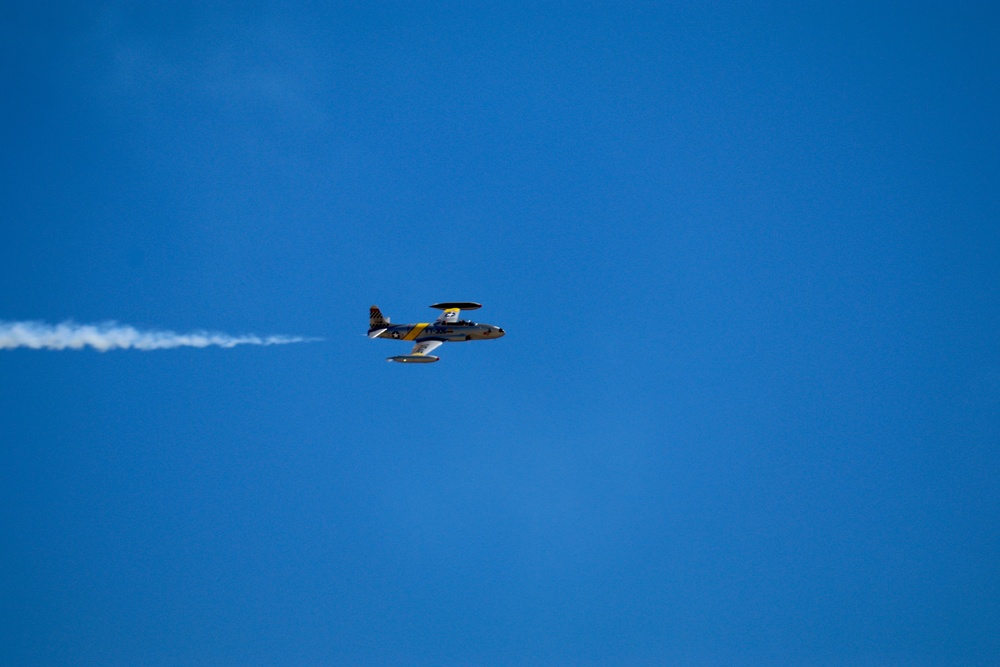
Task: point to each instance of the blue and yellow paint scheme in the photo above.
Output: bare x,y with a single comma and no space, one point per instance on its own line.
428,336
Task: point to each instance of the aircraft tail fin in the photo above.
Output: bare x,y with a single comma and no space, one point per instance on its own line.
376,320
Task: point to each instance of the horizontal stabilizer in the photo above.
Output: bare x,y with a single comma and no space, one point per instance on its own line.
415,359
375,333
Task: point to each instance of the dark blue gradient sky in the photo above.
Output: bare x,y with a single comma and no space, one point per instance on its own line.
746,411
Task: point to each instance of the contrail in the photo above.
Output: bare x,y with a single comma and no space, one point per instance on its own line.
113,336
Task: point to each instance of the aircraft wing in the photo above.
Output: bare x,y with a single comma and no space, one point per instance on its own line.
425,347
420,354
451,309
448,316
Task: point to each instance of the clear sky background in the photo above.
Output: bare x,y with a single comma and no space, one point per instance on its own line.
747,410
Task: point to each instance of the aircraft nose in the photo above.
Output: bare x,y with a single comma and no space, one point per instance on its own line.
502,332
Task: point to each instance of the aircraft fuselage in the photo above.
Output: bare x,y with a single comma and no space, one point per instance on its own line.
452,333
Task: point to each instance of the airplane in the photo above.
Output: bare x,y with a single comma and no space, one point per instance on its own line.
447,328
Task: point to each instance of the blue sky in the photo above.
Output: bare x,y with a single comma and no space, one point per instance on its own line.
746,408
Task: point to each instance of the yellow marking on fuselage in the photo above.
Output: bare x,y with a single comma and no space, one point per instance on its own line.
416,330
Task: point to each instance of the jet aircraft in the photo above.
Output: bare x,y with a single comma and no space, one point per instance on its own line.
447,328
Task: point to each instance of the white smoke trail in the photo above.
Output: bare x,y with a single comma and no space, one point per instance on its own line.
112,336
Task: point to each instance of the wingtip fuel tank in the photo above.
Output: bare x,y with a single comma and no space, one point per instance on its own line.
414,359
